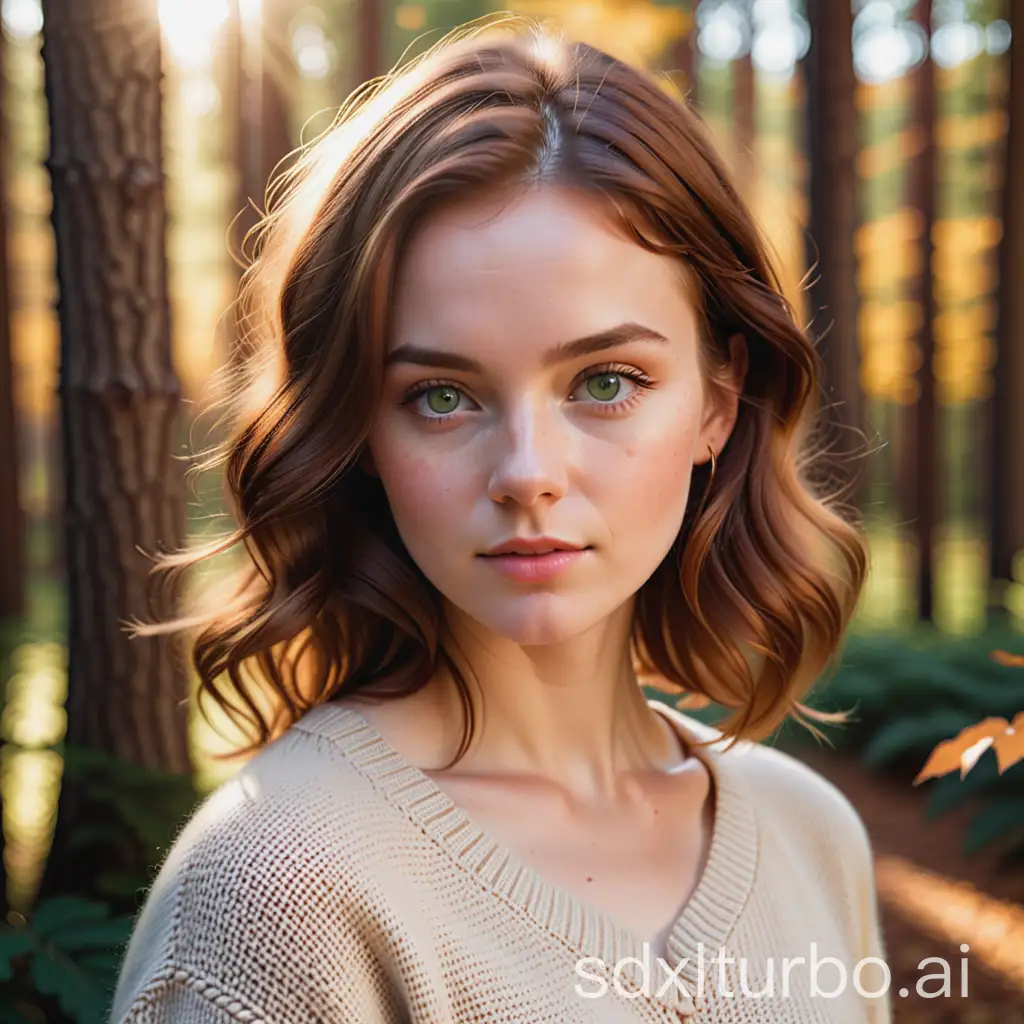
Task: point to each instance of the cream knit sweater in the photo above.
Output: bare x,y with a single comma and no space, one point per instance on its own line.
332,881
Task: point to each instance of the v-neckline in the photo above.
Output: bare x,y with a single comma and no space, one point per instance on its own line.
704,921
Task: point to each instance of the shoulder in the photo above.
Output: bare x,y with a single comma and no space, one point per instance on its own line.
268,862
795,804
298,805
297,801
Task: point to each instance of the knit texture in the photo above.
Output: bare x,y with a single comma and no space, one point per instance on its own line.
332,881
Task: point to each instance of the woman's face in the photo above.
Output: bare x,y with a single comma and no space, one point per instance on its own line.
543,381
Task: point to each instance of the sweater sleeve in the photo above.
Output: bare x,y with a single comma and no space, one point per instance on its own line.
182,999
178,1001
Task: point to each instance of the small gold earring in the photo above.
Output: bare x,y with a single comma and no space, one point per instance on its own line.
714,466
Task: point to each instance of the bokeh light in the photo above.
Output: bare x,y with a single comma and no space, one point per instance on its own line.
191,28
22,18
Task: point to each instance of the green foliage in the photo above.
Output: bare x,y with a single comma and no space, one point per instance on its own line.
145,803
71,951
150,802
951,791
897,736
1002,819
886,677
907,696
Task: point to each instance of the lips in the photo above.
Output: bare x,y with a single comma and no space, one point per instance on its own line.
532,546
545,551
541,565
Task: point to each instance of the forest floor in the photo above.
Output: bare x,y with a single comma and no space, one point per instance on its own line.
933,897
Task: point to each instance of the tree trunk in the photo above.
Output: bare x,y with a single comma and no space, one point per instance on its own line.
12,538
119,405
12,518
744,101
921,467
1008,406
369,53
683,57
263,133
832,146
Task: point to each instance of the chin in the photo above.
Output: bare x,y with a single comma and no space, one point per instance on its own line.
538,620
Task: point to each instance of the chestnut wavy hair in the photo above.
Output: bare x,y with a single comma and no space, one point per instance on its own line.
750,604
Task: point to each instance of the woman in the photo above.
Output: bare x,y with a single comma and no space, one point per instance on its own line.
526,419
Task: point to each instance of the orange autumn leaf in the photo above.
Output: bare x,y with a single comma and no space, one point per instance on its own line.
1010,745
1008,659
971,742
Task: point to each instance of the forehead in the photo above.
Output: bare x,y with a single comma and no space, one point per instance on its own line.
544,266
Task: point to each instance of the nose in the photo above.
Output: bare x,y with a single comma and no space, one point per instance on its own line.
531,458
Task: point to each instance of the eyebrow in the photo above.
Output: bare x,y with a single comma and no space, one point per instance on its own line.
566,350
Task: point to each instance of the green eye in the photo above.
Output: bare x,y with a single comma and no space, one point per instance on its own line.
442,399
604,386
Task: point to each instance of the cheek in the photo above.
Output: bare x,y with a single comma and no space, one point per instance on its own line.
660,491
423,491
653,478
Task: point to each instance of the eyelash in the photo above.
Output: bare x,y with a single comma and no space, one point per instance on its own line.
638,377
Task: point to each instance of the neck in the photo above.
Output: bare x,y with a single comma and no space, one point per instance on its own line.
572,713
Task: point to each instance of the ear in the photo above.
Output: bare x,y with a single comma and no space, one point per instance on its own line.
365,462
723,401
